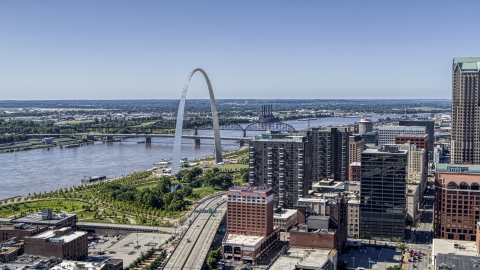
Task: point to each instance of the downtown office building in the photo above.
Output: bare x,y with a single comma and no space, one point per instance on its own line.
465,140
382,194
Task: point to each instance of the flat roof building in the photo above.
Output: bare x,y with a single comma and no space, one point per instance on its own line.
48,218
250,229
457,199
387,134
62,243
382,197
285,219
430,128
454,254
20,231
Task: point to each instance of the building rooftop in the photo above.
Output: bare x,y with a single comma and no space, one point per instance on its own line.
37,218
52,236
459,178
31,261
467,63
285,213
412,188
445,246
457,262
7,250
25,227
250,191
457,168
270,138
296,257
356,164
240,239
73,265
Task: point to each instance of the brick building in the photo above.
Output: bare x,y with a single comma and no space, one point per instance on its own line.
355,169
62,243
250,230
421,141
20,231
457,201
326,230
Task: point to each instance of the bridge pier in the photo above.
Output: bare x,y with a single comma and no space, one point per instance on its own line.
244,133
148,139
89,137
197,141
195,131
242,142
109,139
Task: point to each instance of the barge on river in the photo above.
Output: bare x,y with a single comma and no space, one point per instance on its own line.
92,179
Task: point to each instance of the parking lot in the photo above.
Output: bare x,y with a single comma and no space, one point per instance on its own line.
126,248
380,258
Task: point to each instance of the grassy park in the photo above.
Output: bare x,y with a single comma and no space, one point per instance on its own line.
139,198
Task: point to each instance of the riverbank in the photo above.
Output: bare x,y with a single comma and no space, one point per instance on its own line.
91,204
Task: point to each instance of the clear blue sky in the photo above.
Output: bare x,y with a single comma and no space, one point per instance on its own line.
250,49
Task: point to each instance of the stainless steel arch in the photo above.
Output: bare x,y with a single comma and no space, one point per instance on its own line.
177,142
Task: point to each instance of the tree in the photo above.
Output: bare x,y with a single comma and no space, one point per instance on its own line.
402,246
396,267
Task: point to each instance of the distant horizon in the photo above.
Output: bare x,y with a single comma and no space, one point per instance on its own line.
6,100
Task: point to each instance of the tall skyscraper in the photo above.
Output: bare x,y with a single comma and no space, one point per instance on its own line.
382,195
330,156
283,163
465,143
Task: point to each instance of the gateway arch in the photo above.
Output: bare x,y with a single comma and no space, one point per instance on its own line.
177,142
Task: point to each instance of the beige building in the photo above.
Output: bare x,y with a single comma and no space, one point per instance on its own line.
285,219
465,140
417,164
353,216
355,148
364,126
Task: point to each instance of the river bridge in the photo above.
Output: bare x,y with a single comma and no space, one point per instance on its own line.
148,137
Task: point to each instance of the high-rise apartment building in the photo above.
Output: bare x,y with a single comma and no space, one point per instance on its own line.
465,140
330,155
387,134
382,195
457,201
430,128
283,163
250,229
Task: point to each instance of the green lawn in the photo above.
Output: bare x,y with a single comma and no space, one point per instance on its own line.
73,122
146,124
29,207
204,191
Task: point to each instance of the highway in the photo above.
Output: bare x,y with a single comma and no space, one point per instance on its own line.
193,247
